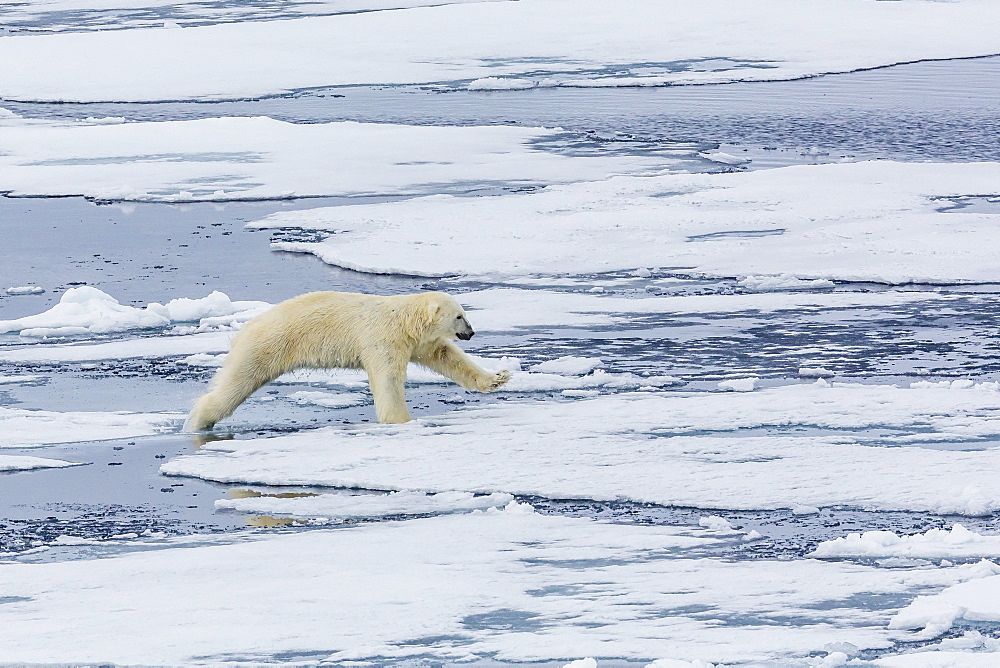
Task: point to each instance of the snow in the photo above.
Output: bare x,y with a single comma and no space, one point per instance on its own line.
512,585
540,42
21,428
262,158
86,310
874,221
25,463
957,543
798,446
327,506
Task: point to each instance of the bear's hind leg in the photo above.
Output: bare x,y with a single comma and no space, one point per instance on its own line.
236,381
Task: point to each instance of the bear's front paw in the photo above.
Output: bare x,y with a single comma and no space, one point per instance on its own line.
496,381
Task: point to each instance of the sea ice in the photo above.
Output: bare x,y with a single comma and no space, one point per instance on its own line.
934,614
262,158
25,290
20,428
552,42
958,543
343,505
868,221
331,400
569,365
510,585
27,463
739,384
782,447
49,16
86,310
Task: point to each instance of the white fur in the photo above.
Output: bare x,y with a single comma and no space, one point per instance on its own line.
346,330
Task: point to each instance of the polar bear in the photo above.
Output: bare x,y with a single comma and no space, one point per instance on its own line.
346,330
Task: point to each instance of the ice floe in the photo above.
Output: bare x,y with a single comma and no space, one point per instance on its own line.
872,221
27,463
956,543
86,310
932,615
49,16
262,158
20,428
800,446
319,507
510,585
497,45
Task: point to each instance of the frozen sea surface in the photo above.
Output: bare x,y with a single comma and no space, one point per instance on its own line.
751,467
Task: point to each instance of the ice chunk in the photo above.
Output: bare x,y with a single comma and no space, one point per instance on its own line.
26,463
739,384
25,290
956,543
86,310
568,365
330,400
815,372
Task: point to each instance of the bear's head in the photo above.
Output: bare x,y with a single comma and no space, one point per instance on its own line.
445,317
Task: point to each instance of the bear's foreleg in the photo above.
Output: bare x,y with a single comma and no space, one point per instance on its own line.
386,380
449,361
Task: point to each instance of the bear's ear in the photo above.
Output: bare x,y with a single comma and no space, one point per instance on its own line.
433,309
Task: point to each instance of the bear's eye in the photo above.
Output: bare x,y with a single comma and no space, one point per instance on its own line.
458,317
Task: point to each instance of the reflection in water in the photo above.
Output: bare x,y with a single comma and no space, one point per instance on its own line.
268,522
200,439
252,494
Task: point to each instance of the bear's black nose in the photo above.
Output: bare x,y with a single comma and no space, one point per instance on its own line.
465,336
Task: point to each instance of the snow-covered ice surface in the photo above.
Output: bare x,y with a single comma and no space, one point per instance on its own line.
30,428
257,158
751,330
22,463
782,447
322,507
871,221
485,45
517,586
